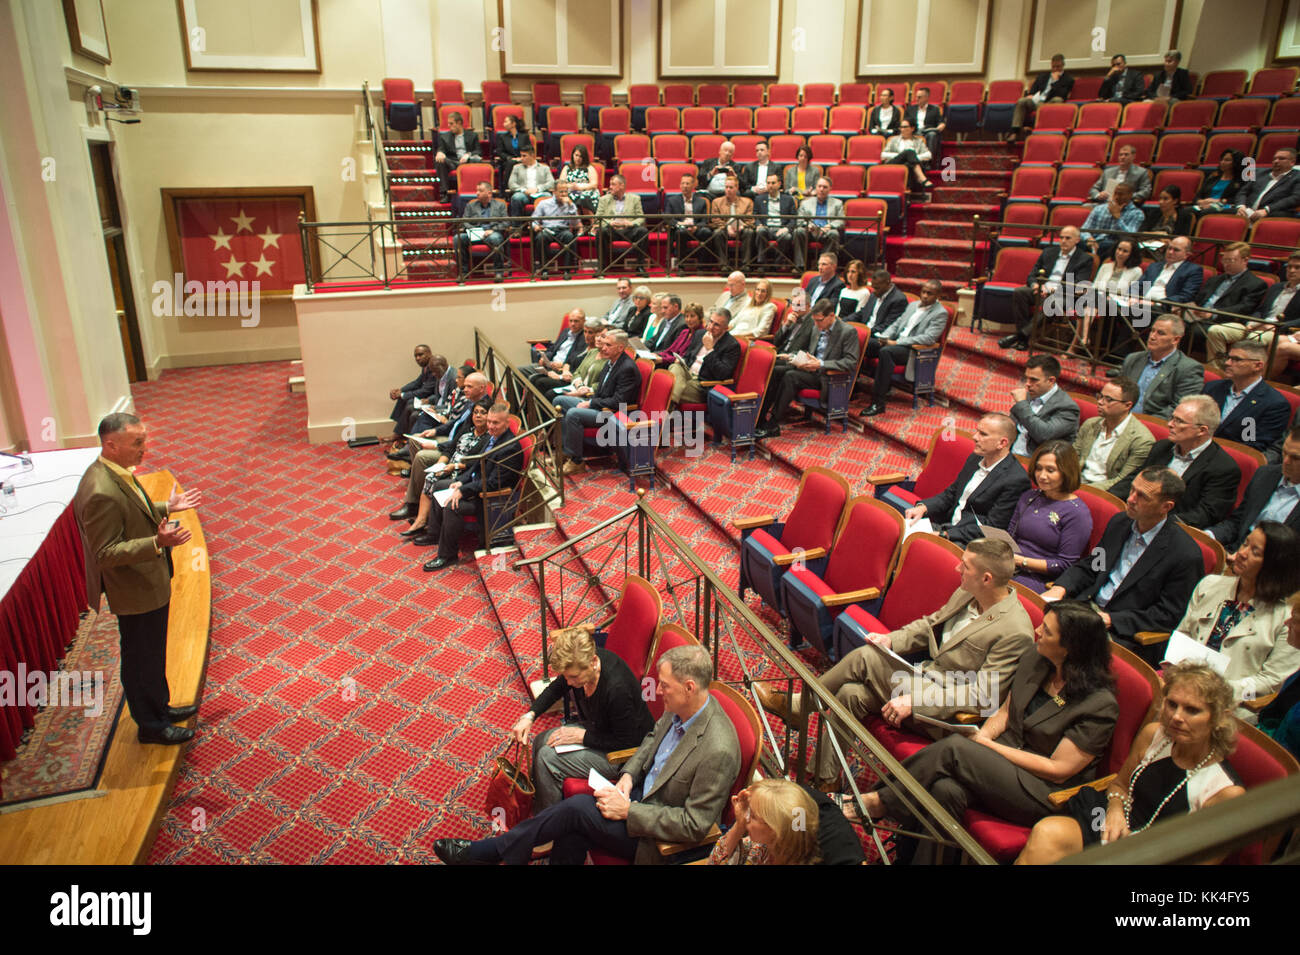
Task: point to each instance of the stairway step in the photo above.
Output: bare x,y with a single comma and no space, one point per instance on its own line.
424,194
1075,375
967,195
957,270
982,178
939,229
407,145
423,207
409,162
958,211
915,247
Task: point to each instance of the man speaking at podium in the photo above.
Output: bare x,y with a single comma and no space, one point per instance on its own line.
127,540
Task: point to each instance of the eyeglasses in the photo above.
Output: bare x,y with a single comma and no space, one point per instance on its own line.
1240,358
1108,400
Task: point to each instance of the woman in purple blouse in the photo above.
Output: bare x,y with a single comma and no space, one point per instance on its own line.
1051,526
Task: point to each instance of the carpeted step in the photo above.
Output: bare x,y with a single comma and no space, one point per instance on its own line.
924,247
425,194
1075,373
409,162
958,212
954,269
420,209
967,195
938,229
979,179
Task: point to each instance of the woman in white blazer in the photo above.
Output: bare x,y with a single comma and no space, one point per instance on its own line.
1244,616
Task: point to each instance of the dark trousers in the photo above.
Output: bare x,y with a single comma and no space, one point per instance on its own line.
761,239
494,242
888,358
719,243
907,158
634,234
829,239
143,640
575,825
787,382
448,523
403,414
681,236
1024,302
542,240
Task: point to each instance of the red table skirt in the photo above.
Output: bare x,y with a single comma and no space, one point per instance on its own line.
39,618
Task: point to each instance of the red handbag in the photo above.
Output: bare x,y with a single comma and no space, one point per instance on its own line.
510,792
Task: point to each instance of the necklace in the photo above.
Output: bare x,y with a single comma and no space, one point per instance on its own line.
1146,761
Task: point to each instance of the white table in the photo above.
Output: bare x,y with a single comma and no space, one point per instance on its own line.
41,496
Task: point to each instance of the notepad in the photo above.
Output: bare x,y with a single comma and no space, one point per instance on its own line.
1183,649
597,782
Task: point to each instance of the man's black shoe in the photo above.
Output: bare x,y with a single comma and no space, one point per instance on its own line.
178,714
872,410
1008,341
403,513
402,455
771,431
438,563
454,852
167,736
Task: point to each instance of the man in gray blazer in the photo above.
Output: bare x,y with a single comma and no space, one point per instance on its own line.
1128,171
1164,375
821,217
1113,445
1042,411
922,323
673,789
834,347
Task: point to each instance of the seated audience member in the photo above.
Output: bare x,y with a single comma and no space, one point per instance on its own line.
855,291
428,384
754,175
715,172
1148,567
796,330
455,398
1218,192
444,428
801,175
1281,718
1050,86
555,219
1116,215
774,221
731,216
1208,471
1251,410
667,326
1050,524
986,489
674,789
619,218
1164,375
1172,83
1235,289
1125,170
734,298
1054,723
1176,280
1169,216
776,824
826,283
642,313
1121,85
693,210
446,436
1062,268
446,468
690,331
821,219
583,180
1176,765
882,307
922,323
1279,307
480,211
1115,279
623,306
981,629
1243,614
457,145
588,366
885,118
530,181
604,710
509,145
618,387
1276,194
1113,445
555,354
1271,495
927,119
1042,411
833,347
755,319
712,356
908,149
499,470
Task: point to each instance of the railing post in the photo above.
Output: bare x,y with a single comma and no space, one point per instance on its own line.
306,256
541,587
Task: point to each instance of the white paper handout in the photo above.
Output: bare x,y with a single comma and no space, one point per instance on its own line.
569,748
1183,649
911,668
921,525
597,782
442,497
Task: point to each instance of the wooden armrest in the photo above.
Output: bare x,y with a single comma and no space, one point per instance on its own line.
1258,704
643,423
967,719
714,384
924,347
621,755
785,560
837,374
758,520
850,597
887,477
1149,638
538,341
673,848
1062,796
501,493
746,395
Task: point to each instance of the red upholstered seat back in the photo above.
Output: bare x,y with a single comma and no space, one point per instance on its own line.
1144,144
1242,114
643,94
1012,265
748,733
597,94
1043,149
645,368
927,576
1223,83
1279,81
662,119
783,94
679,95
1032,182
632,633
755,369
448,91
399,91
658,390
847,119
704,146
735,119
808,120
866,149
948,452
1103,506
1257,759
615,119
1143,116
865,546
1087,150
747,94
819,94
712,94
1135,690
1032,603
1192,114
1055,117
1006,91
887,179
816,512
546,94
699,119
1098,116
1247,458
1073,184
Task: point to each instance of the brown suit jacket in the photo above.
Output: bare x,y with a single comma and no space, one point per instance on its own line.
991,647
117,534
720,211
1126,457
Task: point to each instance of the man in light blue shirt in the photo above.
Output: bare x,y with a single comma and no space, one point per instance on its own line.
555,219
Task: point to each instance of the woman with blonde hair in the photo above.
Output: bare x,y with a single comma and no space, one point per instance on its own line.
1176,765
603,711
776,824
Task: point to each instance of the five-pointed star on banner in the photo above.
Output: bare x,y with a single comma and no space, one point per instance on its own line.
234,267
263,266
270,238
243,221
221,240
